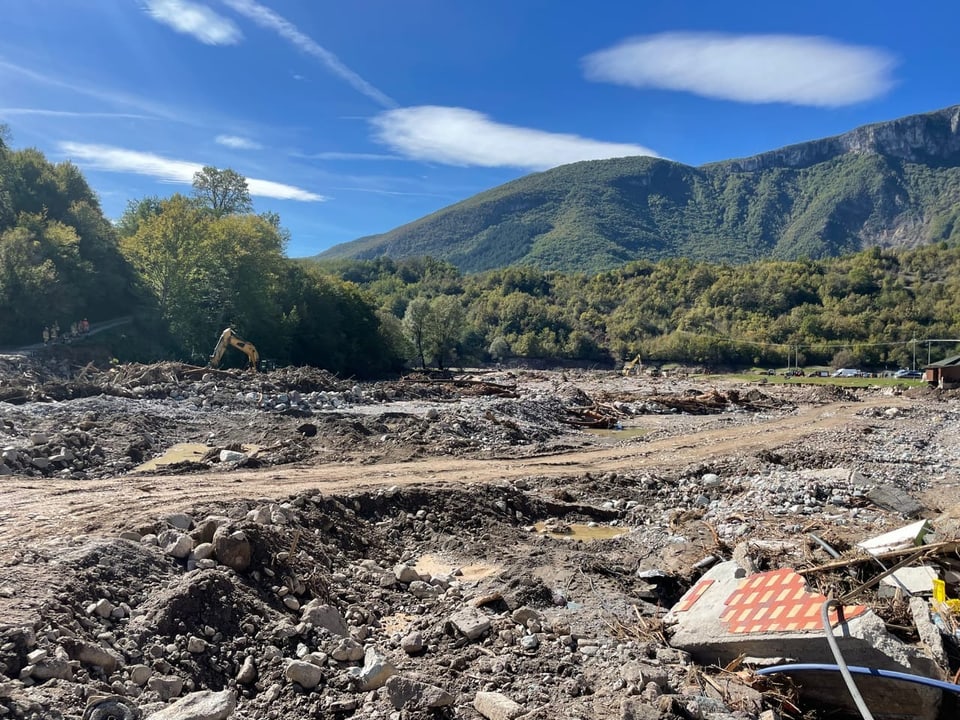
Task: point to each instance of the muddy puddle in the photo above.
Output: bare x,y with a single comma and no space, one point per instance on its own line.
627,433
180,453
435,565
579,531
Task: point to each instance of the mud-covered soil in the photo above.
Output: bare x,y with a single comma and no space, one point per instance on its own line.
330,529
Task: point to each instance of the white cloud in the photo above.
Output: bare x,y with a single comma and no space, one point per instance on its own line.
115,159
796,69
238,143
330,155
43,112
268,19
191,18
458,136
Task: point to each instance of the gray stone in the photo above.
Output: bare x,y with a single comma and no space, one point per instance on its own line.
232,549
412,644
291,602
101,608
203,551
529,642
638,709
376,670
347,650
232,456
139,674
248,672
471,622
641,674
405,573
305,674
181,521
50,668
41,463
523,615
496,706
166,686
423,590
320,614
409,694
201,705
90,654
175,543
260,515
196,645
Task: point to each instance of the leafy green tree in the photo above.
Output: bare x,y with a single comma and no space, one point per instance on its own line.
445,328
416,325
222,192
499,349
136,213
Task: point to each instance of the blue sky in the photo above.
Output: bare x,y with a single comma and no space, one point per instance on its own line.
351,118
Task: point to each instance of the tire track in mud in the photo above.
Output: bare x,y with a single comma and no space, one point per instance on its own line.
35,509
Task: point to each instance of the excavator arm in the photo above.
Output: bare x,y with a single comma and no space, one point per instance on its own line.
229,339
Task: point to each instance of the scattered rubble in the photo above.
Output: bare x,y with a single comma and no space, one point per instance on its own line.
432,601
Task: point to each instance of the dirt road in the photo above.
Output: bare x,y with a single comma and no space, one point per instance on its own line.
38,508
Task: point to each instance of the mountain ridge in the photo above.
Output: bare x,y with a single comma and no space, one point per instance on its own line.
893,183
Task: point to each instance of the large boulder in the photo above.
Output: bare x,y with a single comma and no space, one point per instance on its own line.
232,548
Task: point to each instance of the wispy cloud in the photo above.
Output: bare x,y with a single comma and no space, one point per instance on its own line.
796,69
191,18
458,136
348,156
268,19
43,112
122,160
238,143
79,87
394,193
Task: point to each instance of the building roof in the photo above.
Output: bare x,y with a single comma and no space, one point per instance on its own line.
946,362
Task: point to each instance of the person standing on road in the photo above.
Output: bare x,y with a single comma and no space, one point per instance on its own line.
54,331
46,335
84,326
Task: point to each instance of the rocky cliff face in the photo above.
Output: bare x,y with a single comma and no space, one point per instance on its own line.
928,138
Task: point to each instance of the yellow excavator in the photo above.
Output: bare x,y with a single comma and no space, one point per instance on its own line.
230,339
633,365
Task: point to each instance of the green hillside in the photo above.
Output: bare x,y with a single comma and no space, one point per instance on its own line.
893,184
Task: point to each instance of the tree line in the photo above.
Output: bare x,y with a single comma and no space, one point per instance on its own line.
187,266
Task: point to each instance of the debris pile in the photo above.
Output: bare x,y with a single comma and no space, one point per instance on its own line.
550,592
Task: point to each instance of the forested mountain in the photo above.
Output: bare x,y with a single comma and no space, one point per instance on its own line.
184,267
892,184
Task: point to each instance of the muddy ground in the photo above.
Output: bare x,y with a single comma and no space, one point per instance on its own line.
317,547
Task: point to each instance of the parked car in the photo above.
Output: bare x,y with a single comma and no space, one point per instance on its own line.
847,373
908,374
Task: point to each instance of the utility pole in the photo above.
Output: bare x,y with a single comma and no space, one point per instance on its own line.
914,354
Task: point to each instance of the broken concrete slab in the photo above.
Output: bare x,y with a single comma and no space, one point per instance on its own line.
909,581
904,537
892,498
201,705
471,622
728,614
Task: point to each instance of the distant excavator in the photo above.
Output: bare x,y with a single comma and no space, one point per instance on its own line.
230,339
633,365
